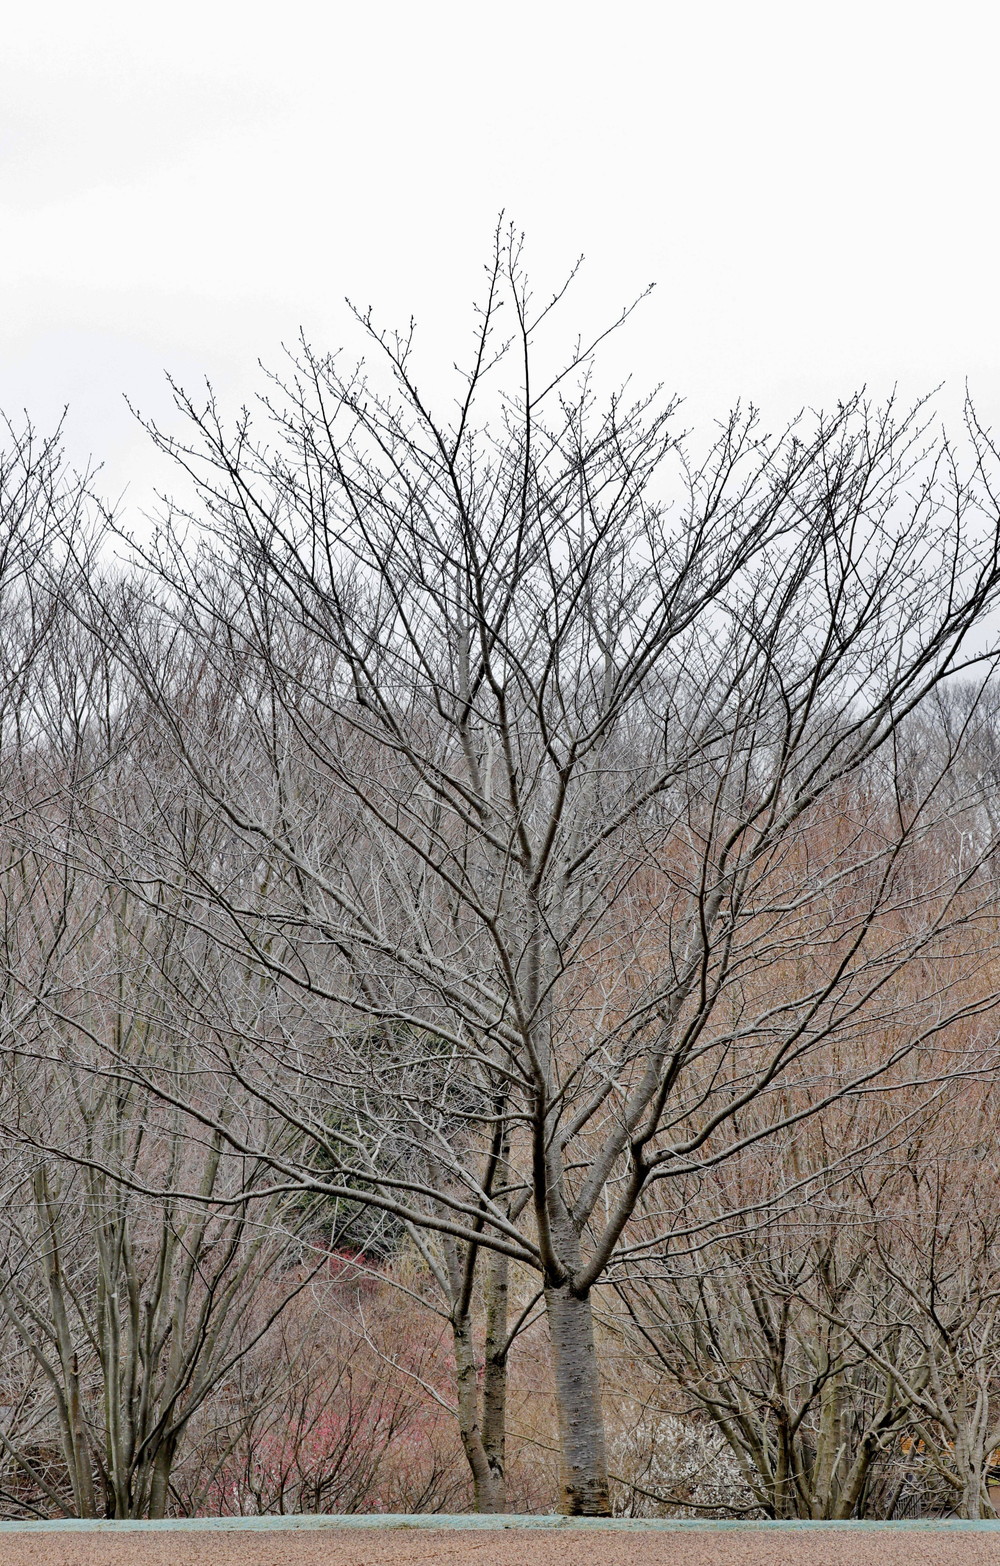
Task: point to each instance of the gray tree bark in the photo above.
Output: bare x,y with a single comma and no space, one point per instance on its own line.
584,1475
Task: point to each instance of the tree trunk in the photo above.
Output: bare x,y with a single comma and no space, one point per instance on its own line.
494,1420
159,1490
487,1485
578,1402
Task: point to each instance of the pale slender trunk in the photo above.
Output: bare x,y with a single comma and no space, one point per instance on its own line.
494,1422
76,1443
578,1402
481,1385
482,1411
484,1481
828,1448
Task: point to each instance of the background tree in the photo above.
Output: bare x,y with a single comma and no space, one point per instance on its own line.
131,1301
934,1232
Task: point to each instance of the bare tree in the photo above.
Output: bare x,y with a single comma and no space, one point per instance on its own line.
846,1347
751,1320
468,1281
123,1311
544,754
132,1310
934,1230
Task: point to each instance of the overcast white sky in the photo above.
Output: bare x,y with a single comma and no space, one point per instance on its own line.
813,188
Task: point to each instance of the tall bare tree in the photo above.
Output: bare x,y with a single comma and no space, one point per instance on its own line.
545,753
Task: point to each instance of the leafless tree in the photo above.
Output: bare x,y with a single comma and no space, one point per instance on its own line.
847,1348
751,1321
134,1319
566,821
129,1302
934,1241
123,1313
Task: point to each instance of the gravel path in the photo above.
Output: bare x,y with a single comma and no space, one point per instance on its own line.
433,1547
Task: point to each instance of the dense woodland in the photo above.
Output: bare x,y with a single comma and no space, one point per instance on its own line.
500,954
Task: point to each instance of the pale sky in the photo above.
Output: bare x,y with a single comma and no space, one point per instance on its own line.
812,187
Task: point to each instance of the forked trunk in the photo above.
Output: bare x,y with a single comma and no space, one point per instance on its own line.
578,1400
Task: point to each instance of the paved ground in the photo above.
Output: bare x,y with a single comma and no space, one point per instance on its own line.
429,1547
